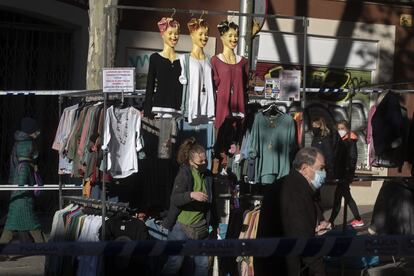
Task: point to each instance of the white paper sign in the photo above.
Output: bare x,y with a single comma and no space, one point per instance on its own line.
290,85
118,79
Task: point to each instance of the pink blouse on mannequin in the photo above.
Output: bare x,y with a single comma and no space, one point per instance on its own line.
230,81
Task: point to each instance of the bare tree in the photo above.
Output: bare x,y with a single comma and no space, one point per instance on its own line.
96,41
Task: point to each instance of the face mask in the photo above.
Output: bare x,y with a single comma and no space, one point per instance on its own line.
201,167
342,133
319,179
316,131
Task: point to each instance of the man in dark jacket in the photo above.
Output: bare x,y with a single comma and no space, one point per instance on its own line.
289,209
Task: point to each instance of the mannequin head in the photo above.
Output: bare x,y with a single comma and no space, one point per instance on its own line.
198,31
229,34
169,29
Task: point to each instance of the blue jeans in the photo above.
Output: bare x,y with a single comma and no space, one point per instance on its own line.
173,265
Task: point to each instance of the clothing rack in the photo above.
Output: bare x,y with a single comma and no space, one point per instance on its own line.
381,178
203,12
139,93
60,94
98,204
371,178
96,95
46,187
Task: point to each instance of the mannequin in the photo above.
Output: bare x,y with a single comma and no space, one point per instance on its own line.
198,97
164,91
230,75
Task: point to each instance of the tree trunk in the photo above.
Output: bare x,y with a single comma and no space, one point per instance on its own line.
97,39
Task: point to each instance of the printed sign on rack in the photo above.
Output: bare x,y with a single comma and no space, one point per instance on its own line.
118,80
290,85
272,88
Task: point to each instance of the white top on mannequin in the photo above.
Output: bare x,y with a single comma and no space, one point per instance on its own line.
201,107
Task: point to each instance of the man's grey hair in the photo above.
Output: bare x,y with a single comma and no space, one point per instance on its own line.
306,156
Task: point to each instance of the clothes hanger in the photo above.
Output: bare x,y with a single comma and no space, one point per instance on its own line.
272,109
174,11
203,12
381,96
232,16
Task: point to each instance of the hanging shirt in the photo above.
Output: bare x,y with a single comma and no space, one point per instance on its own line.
66,123
122,139
165,130
198,97
88,265
231,83
163,93
272,140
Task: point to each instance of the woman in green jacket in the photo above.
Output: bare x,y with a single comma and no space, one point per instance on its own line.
21,216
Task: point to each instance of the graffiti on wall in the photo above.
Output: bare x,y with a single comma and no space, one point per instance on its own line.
334,107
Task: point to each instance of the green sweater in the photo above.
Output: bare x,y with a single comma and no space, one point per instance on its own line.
190,217
272,141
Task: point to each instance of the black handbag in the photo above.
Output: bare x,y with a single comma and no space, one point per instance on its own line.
195,231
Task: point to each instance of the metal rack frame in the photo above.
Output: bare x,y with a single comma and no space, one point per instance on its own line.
96,203
139,93
99,95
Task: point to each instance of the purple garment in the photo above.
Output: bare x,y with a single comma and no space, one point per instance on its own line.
230,81
370,141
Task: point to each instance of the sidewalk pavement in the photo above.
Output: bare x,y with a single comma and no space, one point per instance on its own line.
23,266
366,215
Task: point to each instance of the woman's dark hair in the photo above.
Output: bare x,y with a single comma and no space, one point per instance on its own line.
225,25
188,149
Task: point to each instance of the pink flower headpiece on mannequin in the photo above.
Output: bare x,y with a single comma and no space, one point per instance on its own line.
166,22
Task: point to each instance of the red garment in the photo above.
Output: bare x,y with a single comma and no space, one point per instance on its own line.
227,78
354,136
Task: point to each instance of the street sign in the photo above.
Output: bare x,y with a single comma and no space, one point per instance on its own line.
118,79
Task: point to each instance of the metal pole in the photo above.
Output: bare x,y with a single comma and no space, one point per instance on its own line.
59,175
105,152
195,12
305,57
245,36
345,218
